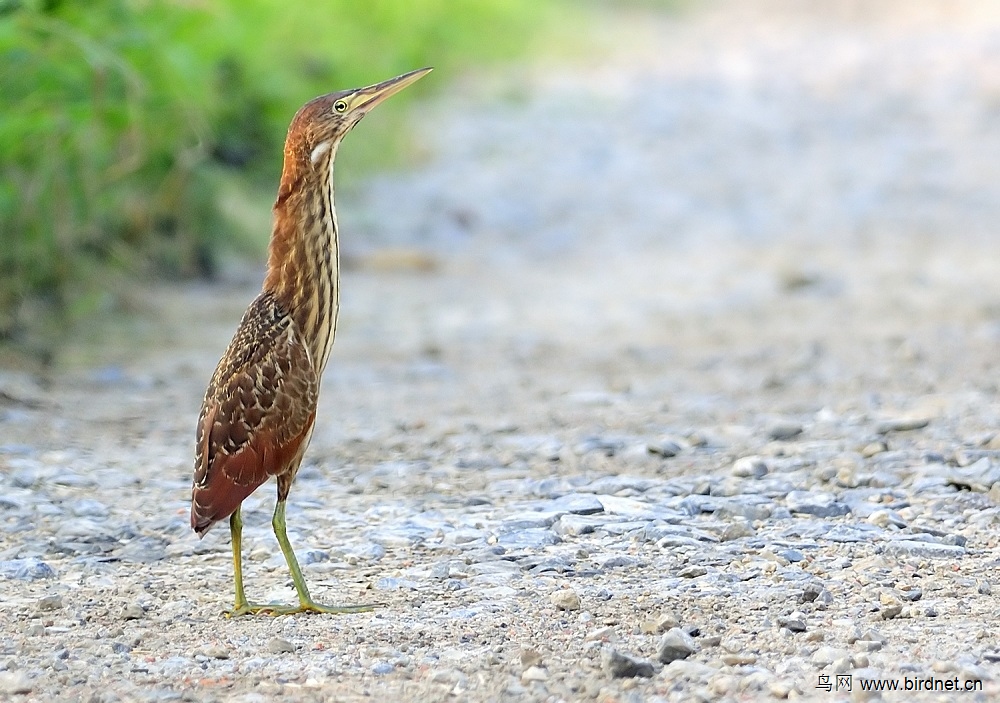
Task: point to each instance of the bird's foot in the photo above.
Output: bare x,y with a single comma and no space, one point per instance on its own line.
275,609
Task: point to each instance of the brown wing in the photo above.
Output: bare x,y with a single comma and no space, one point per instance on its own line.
257,415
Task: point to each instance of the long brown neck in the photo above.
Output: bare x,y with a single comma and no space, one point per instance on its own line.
303,261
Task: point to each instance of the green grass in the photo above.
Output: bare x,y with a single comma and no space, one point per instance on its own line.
127,125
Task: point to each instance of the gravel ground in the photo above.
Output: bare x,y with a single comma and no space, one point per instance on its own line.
667,375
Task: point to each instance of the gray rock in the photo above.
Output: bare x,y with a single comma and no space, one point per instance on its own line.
927,550
15,683
576,504
565,599
278,645
627,507
30,569
575,525
783,430
51,602
750,467
675,644
528,539
133,611
381,668
665,447
792,624
901,424
392,583
818,503
979,476
529,521
620,666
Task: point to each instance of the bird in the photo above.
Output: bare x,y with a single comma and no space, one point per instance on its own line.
259,410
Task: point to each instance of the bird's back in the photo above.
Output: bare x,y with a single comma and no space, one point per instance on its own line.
257,415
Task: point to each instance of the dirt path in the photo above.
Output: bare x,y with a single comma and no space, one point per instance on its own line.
685,354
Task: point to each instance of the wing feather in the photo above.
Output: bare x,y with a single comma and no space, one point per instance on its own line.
257,414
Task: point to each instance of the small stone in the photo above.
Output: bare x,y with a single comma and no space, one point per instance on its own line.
818,503
601,634
902,424
870,450
26,569
739,659
36,629
666,621
280,646
216,651
927,550
737,529
665,447
890,612
983,588
620,666
793,624
675,644
691,572
530,657
53,602
781,689
565,599
13,684
825,656
912,594
750,467
784,430
133,612
810,593
382,668
534,673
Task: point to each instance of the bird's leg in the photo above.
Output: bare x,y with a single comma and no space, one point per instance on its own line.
306,603
236,530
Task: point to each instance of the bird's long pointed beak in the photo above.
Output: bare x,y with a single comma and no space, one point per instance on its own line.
374,94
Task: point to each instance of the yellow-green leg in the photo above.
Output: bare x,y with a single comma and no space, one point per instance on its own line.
242,607
306,603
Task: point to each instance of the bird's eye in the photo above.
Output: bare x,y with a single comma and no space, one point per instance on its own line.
340,106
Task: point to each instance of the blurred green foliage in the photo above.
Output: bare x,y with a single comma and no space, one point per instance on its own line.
124,122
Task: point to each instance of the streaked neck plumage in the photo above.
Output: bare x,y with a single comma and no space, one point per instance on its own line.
303,262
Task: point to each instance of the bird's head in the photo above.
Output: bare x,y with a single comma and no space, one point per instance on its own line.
318,127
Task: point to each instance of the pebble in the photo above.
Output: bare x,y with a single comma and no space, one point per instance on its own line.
133,612
530,657
278,645
30,569
816,503
534,673
901,424
14,683
793,624
665,447
601,634
750,467
675,644
565,599
619,665
784,430
52,602
216,651
927,550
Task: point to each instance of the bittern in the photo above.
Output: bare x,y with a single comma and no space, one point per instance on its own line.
259,411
